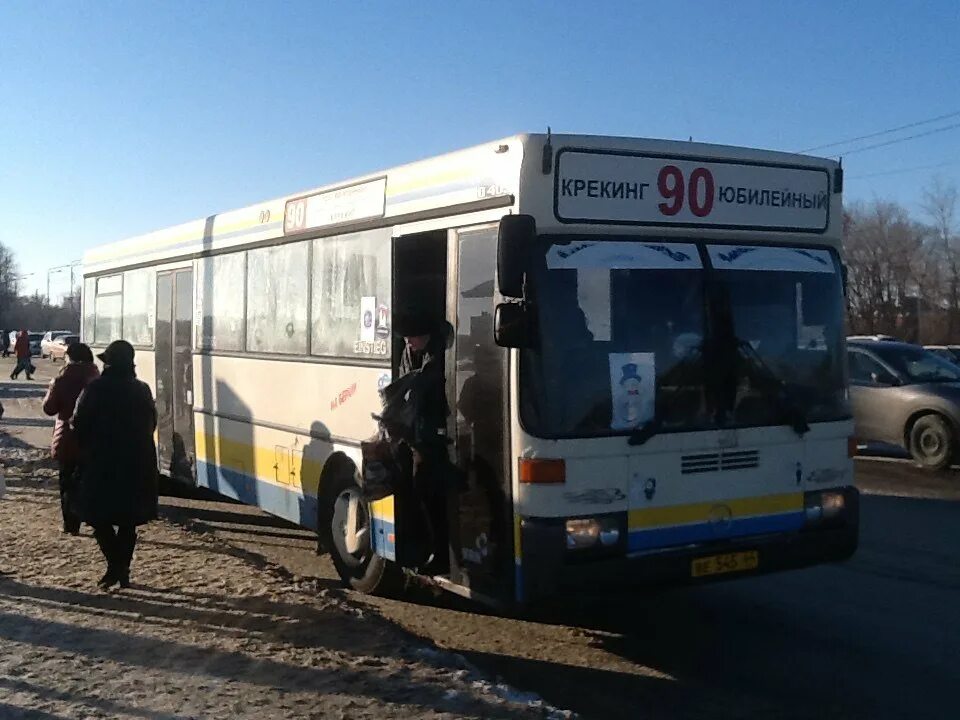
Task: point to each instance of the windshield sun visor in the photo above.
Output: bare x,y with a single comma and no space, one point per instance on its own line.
590,255
772,259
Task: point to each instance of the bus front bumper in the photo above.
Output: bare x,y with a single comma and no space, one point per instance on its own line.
548,567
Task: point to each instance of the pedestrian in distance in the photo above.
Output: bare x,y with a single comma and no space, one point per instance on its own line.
24,362
5,342
61,400
114,423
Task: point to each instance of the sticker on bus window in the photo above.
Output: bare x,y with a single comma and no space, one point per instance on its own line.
383,322
368,311
633,389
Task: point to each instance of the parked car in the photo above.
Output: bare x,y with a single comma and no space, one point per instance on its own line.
48,339
57,350
947,352
904,395
878,338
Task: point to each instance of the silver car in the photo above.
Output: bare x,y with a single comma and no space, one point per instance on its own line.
947,352
49,338
905,395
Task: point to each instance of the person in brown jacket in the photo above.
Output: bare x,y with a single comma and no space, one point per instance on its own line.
22,350
61,400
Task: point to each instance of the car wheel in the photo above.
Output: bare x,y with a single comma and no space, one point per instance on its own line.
347,531
933,443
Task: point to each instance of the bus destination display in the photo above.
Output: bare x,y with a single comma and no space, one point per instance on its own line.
595,187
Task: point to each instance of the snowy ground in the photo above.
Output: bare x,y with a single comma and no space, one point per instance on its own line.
207,630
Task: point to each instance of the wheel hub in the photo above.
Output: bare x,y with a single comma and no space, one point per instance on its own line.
930,442
350,527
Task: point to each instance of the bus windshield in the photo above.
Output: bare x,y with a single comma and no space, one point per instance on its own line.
636,333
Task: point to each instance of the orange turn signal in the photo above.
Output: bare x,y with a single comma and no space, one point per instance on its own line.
851,447
543,472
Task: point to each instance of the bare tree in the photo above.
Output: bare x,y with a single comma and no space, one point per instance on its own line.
940,205
8,285
886,259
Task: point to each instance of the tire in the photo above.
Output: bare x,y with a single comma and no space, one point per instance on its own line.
362,570
933,442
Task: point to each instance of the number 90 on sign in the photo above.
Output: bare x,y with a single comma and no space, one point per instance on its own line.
698,191
295,216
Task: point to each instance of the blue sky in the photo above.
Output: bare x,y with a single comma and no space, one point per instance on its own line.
117,118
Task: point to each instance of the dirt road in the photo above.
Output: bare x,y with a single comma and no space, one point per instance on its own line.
207,630
876,637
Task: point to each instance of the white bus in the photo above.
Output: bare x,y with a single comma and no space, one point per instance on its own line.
646,382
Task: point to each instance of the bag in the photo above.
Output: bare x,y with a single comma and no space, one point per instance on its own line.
380,469
400,407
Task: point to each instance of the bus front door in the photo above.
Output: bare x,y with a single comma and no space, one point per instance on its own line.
481,513
174,368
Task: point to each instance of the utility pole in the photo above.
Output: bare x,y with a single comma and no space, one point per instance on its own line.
61,268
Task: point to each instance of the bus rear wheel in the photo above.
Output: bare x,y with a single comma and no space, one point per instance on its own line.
348,535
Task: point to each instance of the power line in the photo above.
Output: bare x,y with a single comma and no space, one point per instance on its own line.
882,132
895,141
900,171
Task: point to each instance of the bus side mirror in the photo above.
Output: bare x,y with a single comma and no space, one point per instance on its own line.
514,241
510,326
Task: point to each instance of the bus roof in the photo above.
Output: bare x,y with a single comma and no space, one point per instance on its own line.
507,173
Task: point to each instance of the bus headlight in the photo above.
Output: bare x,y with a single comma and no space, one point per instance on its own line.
583,533
833,504
824,506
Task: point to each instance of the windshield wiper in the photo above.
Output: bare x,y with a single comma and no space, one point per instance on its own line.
775,389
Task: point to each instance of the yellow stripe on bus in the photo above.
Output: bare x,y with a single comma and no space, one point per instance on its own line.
262,463
167,238
704,512
383,509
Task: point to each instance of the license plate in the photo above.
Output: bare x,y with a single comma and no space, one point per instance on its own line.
719,564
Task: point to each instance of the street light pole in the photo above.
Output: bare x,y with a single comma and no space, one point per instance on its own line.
61,268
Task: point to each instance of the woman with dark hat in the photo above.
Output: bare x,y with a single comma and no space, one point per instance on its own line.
425,336
61,399
114,423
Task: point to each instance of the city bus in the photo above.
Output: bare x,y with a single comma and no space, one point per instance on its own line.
645,373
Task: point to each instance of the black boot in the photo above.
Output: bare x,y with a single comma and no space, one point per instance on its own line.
109,579
124,577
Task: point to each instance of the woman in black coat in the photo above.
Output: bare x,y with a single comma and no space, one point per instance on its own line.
114,423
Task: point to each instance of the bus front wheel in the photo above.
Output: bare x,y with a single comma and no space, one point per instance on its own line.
347,530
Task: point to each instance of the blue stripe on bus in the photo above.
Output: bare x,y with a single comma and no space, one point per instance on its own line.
470,183
384,540
653,538
274,499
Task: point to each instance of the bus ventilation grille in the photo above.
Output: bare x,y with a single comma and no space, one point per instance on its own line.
715,462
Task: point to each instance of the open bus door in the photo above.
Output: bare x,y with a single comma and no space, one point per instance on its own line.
174,367
456,270
481,511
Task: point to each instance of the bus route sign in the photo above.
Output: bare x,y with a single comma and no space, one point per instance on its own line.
359,201
634,189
